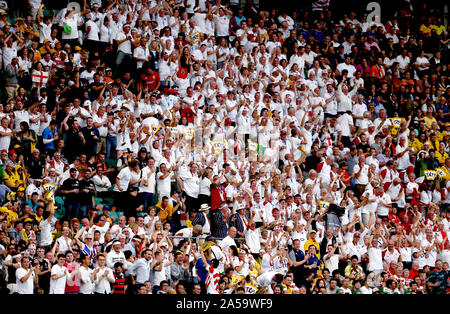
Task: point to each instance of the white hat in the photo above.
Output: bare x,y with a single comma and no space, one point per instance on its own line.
204,207
241,206
87,103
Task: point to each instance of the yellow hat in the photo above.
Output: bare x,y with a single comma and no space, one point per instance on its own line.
77,48
206,245
21,189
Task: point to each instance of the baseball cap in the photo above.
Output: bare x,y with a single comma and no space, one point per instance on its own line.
357,235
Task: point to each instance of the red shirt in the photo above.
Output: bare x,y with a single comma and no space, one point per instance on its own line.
413,273
74,284
346,176
151,80
188,113
216,199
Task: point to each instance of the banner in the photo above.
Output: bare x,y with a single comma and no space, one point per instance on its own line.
188,133
430,174
49,189
252,146
155,128
194,38
324,205
443,173
218,146
172,130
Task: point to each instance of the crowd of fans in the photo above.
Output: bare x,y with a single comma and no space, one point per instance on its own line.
192,147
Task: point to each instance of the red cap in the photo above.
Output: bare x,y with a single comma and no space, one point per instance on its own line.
227,121
4,151
357,234
12,151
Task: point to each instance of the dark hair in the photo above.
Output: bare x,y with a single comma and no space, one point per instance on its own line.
127,254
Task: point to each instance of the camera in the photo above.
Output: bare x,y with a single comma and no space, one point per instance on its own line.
338,210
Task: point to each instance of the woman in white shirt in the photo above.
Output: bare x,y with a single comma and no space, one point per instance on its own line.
72,20
222,53
63,243
204,196
25,60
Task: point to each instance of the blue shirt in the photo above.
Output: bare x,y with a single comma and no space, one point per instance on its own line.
201,270
47,134
33,206
311,261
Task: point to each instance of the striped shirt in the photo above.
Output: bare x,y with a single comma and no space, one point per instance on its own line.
212,281
119,283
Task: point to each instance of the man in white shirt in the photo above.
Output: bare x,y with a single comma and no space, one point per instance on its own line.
190,183
346,65
124,40
103,277
115,255
222,21
46,226
253,235
26,277
59,275
92,33
141,54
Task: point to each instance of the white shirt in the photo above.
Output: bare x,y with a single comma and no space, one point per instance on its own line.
57,286
125,47
103,286
222,25
363,176
375,259
27,286
163,184
73,23
381,209
191,183
252,240
141,53
93,34
46,232
150,187
86,284
124,177
5,141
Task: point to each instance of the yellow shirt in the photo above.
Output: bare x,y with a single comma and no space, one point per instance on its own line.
439,29
12,216
165,213
315,243
416,144
441,157
429,121
434,145
425,29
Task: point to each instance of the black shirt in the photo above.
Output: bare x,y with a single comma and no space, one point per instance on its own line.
70,184
86,198
35,168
